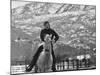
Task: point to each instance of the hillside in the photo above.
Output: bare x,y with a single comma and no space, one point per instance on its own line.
75,24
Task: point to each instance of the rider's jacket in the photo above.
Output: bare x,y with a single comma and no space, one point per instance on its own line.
50,32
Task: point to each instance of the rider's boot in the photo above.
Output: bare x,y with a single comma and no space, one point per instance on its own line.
53,68
32,64
28,69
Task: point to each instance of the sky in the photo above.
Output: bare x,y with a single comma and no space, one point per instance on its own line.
18,3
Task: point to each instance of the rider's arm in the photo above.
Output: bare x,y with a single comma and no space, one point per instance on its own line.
56,36
42,35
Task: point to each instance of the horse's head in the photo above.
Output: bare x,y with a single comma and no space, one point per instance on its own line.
47,38
47,42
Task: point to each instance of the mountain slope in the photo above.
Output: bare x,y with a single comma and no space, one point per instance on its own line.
75,24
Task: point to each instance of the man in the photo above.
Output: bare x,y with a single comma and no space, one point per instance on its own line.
44,32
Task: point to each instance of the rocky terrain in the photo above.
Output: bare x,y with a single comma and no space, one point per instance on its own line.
75,24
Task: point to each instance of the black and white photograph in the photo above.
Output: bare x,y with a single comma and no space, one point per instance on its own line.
52,37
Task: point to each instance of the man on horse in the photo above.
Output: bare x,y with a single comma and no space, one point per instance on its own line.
44,32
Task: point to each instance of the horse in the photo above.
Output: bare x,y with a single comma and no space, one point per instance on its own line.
45,59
